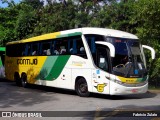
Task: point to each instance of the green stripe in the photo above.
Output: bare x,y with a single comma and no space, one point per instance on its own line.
52,67
1,62
2,49
57,67
49,63
141,79
69,35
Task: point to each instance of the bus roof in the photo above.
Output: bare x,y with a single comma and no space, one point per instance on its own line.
79,31
2,48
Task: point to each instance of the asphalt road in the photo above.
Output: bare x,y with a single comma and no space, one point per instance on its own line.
98,107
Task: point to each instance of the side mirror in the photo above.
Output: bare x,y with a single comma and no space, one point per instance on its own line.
109,45
151,49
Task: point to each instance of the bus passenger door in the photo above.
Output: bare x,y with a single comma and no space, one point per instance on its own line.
99,75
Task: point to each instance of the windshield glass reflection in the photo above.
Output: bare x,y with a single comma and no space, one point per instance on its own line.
128,60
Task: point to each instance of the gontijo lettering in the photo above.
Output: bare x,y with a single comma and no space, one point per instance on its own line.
27,61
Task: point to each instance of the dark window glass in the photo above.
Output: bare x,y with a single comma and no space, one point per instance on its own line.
15,50
29,50
35,49
102,58
60,46
80,48
91,39
45,48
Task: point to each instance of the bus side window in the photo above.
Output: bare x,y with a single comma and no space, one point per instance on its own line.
80,48
24,49
64,47
91,44
28,49
45,48
102,58
70,47
61,47
35,49
55,48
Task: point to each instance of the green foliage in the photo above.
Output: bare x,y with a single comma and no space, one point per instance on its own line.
147,28
7,24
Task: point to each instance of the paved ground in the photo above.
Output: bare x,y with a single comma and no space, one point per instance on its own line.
37,98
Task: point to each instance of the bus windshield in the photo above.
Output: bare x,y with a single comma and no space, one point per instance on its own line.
129,60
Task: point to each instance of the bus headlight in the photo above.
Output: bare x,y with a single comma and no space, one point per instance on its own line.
118,82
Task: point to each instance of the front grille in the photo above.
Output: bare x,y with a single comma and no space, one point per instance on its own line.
134,85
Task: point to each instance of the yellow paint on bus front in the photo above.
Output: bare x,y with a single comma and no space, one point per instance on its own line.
128,80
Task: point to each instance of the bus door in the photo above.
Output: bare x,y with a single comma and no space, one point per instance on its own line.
101,83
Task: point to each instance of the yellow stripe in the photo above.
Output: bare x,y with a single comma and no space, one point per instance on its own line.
127,80
37,38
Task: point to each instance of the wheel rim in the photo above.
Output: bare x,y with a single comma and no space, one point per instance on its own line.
24,82
83,88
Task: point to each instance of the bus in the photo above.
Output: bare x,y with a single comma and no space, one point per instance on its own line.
86,60
2,56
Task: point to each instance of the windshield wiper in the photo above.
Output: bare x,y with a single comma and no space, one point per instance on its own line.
130,60
130,64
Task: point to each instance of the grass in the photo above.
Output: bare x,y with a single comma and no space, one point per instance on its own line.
153,87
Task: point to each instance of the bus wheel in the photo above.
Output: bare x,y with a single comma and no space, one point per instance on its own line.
17,80
82,88
24,80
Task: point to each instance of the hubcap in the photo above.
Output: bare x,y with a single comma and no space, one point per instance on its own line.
83,87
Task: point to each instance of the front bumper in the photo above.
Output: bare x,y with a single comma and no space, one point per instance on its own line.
117,89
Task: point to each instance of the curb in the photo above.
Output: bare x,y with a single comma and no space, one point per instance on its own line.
154,91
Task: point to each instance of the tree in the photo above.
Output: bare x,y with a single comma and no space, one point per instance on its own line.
148,29
7,20
28,17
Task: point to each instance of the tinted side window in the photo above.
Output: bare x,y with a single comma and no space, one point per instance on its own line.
76,47
45,48
91,39
80,48
60,47
35,49
69,46
15,50
102,58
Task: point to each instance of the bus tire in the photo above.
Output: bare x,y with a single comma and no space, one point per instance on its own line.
82,88
24,80
17,79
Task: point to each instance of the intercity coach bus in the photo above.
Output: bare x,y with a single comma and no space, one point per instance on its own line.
86,60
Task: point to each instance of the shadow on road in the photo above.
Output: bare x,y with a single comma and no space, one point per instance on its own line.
51,90
125,97
35,94
129,112
94,95
14,95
